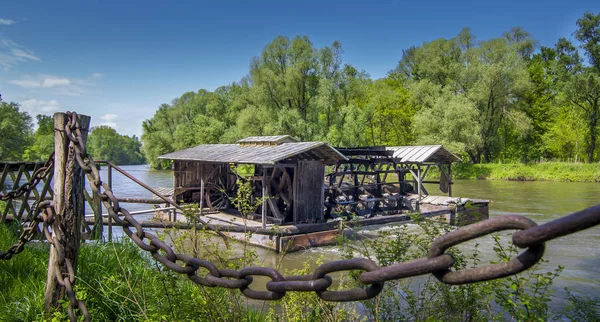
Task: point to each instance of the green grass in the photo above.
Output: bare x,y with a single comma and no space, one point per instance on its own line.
543,171
117,281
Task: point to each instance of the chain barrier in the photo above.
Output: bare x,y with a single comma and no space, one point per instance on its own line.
31,228
64,279
529,236
438,263
29,232
51,232
39,174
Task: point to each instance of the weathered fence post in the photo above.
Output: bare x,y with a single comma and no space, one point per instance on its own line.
68,202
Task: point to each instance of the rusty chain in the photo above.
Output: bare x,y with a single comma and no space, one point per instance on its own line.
30,230
51,232
64,279
530,236
40,174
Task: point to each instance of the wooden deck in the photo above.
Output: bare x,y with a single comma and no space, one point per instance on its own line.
280,238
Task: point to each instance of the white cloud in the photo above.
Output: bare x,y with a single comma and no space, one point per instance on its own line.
26,83
110,124
97,75
11,54
58,85
109,117
35,107
6,22
51,82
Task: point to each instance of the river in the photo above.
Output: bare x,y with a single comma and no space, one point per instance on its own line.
540,201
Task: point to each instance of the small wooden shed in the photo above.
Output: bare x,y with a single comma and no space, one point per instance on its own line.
287,174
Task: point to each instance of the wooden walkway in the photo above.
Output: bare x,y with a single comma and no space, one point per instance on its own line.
166,192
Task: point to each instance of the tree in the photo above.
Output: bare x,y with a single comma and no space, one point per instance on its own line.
104,143
489,76
392,114
578,83
43,140
584,87
15,131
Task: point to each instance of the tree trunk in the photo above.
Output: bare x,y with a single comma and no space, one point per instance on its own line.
593,125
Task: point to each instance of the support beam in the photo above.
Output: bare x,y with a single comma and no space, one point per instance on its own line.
264,200
110,220
450,180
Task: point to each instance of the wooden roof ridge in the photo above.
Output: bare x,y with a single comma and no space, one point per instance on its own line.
268,139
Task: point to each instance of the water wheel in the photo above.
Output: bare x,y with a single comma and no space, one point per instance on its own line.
218,194
280,191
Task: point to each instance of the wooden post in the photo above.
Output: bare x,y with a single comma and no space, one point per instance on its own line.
449,179
69,205
98,226
264,199
201,194
419,187
109,182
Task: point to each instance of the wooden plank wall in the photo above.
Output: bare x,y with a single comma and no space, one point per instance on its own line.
308,197
187,176
187,173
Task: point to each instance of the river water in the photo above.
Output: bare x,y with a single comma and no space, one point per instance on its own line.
540,201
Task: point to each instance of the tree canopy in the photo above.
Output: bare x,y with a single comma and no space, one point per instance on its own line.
19,142
104,143
15,131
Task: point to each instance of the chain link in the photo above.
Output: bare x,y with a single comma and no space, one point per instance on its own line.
31,224
39,174
64,279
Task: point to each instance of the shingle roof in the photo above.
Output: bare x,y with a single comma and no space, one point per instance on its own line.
258,154
273,139
425,153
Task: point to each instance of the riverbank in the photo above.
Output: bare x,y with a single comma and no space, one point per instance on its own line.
543,171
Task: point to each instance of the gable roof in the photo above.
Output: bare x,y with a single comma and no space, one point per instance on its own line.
424,153
258,154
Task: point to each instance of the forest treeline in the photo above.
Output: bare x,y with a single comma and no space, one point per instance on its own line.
20,142
497,100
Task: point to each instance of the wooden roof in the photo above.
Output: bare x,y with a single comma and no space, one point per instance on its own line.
422,154
272,139
259,153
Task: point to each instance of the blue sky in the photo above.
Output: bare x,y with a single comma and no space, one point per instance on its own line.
117,61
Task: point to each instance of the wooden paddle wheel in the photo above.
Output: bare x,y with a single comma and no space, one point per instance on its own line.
363,187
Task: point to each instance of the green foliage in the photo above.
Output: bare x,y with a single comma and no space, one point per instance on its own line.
522,297
120,282
104,143
307,306
21,279
43,140
541,171
292,88
492,100
465,92
15,131
582,308
525,296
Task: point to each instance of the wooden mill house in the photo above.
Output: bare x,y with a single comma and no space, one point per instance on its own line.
287,175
